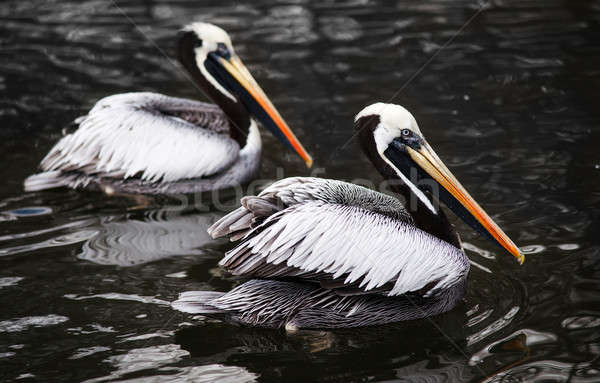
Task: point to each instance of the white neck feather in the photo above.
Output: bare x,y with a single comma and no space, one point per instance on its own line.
253,141
383,138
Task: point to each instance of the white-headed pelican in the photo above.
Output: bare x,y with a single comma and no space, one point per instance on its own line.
151,143
323,253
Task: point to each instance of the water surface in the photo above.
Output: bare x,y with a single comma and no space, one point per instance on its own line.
510,103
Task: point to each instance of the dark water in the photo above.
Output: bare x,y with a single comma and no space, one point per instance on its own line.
511,105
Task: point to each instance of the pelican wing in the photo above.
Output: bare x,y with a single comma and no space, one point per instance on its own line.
155,137
339,242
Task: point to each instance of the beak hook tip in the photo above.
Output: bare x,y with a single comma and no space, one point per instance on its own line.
309,162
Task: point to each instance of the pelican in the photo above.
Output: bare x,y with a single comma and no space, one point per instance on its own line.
154,144
323,253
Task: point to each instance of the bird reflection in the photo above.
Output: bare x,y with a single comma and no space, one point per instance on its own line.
370,350
156,235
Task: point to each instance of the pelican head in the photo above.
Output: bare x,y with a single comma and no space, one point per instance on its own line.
395,138
207,53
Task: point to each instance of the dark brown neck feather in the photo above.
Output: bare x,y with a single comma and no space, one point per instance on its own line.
234,110
434,224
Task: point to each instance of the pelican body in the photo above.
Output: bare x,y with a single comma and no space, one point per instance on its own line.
323,253
151,143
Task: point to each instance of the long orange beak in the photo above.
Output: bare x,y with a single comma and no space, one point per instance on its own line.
428,160
265,112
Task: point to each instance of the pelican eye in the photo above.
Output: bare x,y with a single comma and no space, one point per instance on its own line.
223,51
406,132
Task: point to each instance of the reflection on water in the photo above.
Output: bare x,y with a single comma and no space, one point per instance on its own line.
494,327
9,281
510,105
23,324
519,342
378,351
133,242
61,240
159,358
548,371
573,323
121,297
87,351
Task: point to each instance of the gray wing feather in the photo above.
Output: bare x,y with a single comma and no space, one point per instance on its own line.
296,190
147,134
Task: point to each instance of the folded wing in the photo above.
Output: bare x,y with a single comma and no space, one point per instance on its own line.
152,136
335,240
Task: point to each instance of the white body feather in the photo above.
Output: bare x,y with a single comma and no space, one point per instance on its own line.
127,135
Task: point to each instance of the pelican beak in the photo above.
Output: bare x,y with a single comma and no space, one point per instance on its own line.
456,197
256,101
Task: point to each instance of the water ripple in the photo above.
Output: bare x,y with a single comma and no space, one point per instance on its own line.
87,351
36,233
510,105
548,371
22,324
133,242
9,281
580,322
142,359
62,240
518,341
120,297
161,358
494,327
